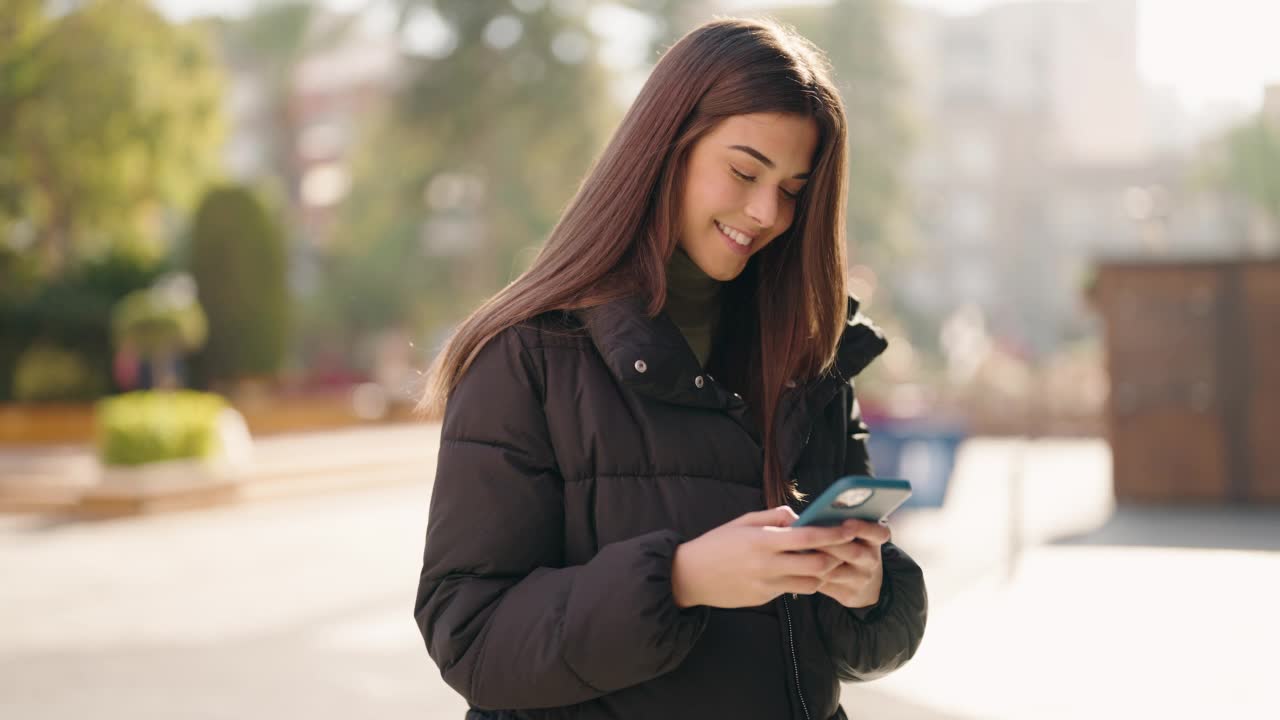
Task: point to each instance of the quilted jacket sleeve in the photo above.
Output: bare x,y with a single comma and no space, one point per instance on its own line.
869,643
510,626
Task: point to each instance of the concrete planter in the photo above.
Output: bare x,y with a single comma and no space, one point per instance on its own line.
161,478
160,486
175,484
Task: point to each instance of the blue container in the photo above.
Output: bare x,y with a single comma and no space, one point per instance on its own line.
922,453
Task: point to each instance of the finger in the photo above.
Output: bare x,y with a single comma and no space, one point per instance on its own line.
854,553
846,577
815,564
799,584
805,538
816,537
799,540
872,532
842,595
780,516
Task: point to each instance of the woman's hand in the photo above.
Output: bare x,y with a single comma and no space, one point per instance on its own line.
755,558
855,581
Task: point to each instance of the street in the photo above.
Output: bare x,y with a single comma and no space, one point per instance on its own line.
300,606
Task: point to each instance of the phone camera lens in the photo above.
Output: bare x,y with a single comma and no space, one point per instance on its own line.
853,497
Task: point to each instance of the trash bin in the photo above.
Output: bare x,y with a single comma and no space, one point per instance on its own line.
923,453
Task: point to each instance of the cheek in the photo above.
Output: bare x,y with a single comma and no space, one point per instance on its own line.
786,216
716,197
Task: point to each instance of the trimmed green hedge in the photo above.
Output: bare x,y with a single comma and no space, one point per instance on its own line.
240,264
151,426
53,374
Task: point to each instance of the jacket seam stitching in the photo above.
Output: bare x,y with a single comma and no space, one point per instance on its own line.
484,443
653,476
538,369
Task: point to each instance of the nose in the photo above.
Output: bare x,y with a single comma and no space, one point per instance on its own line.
763,208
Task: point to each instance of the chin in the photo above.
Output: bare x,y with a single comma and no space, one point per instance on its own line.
725,274
717,263
722,268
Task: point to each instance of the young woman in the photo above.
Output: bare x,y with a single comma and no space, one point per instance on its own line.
678,359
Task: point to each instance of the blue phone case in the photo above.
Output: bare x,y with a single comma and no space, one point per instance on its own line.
855,497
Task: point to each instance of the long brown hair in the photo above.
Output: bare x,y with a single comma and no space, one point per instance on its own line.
783,315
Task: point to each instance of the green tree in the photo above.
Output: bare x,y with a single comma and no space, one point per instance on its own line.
71,312
671,20
23,25
109,121
1248,165
239,264
468,171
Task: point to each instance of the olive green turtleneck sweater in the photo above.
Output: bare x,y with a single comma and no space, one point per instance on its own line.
693,303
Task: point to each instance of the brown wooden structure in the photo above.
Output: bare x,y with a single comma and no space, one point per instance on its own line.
1193,353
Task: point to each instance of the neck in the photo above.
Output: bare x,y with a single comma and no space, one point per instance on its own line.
693,303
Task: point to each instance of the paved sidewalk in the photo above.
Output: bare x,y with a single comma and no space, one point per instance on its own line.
1104,613
301,607
51,479
1103,632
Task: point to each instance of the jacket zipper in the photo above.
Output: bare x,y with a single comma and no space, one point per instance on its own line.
795,663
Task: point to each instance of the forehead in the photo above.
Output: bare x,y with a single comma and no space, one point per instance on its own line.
788,140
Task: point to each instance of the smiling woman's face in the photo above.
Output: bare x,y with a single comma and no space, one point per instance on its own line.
741,186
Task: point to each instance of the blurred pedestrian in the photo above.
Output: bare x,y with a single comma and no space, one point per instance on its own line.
630,425
126,368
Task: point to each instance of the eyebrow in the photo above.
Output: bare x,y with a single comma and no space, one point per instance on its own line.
764,159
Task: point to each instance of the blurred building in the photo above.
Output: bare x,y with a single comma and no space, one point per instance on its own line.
350,71
295,116
295,119
249,148
1036,150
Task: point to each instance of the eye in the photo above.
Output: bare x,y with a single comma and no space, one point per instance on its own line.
751,178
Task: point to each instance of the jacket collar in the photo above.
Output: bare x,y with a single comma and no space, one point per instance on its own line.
860,343
651,356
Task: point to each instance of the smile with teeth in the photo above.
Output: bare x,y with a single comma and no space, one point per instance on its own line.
734,235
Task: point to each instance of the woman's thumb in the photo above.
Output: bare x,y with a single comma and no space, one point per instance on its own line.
780,516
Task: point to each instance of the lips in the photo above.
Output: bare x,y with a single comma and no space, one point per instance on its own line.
733,245
733,233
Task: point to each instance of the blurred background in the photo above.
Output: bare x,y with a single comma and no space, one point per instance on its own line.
234,232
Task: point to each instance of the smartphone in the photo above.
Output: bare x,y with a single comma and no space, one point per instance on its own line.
855,497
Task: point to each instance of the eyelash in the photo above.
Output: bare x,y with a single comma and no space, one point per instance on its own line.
751,178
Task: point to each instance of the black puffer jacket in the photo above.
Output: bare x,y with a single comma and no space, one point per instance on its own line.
577,452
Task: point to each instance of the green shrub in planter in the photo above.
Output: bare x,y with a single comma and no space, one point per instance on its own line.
162,323
153,426
51,374
161,320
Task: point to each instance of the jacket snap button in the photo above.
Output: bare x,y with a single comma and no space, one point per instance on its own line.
641,366
698,381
